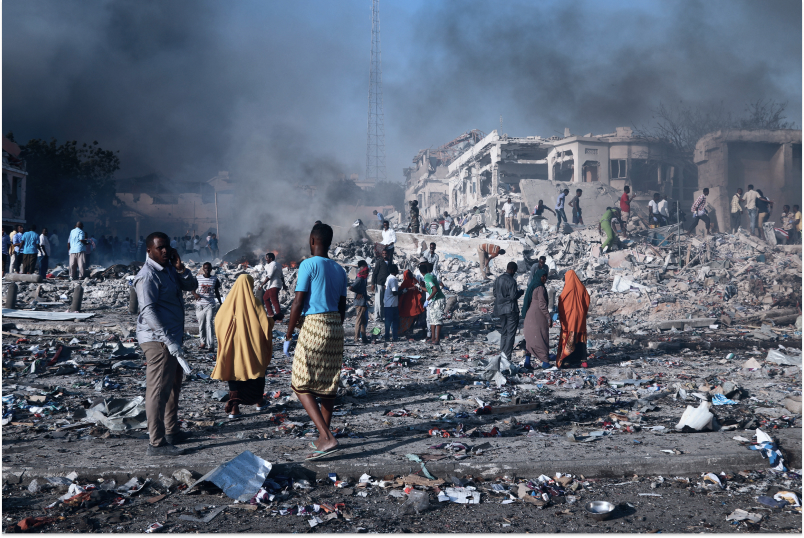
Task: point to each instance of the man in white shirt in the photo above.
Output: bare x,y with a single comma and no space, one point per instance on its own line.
655,216
664,209
508,211
750,199
44,253
276,281
388,240
447,223
431,257
391,302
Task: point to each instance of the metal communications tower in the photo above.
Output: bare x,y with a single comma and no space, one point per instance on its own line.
375,147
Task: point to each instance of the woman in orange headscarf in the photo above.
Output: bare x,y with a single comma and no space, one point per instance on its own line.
573,305
410,302
245,345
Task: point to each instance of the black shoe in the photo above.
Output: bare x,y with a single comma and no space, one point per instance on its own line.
262,405
176,438
163,450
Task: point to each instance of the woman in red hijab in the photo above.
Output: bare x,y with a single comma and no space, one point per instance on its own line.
410,303
573,306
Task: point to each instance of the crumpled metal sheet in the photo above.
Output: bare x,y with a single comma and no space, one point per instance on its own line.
240,478
43,315
118,414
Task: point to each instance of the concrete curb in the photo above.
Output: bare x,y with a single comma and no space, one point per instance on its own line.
607,467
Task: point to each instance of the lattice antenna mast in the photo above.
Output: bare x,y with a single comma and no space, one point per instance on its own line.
375,147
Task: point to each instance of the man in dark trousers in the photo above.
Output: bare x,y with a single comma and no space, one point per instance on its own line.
160,329
506,296
378,277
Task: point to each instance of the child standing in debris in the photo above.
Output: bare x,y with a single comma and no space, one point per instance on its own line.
435,302
321,297
209,289
245,344
361,301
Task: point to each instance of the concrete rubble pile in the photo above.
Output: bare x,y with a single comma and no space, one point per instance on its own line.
686,344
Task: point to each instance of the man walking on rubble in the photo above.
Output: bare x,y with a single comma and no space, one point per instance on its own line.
485,253
506,295
699,212
378,278
275,278
575,204
160,329
388,240
562,197
77,246
625,209
750,199
508,212
209,289
736,211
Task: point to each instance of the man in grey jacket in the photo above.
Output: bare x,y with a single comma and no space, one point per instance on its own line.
506,296
160,329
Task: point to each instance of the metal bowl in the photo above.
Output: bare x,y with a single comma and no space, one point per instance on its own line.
599,510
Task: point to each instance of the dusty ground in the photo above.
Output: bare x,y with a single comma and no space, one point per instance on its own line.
404,398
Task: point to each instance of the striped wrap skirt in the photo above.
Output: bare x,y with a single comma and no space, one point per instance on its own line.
319,356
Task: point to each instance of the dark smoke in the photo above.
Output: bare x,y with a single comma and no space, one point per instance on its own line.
276,92
592,66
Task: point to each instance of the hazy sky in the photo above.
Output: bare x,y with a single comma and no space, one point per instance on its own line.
272,89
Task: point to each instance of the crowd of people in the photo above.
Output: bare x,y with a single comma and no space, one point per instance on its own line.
31,251
242,326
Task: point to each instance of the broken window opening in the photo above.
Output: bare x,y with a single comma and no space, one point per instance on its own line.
618,169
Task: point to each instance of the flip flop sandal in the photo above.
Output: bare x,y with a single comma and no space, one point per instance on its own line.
322,453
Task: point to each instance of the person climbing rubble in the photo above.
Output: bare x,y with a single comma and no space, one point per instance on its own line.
611,214
485,253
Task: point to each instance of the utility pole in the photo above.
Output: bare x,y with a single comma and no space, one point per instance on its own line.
375,146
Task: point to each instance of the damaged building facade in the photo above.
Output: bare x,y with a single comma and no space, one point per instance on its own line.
613,159
427,180
538,168
768,159
172,206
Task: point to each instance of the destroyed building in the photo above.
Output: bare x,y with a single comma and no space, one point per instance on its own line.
427,181
613,159
172,206
15,177
732,159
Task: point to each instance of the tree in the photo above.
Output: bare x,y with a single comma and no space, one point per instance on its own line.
68,178
683,125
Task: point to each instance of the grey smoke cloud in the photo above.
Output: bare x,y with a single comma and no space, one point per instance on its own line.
592,66
276,92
